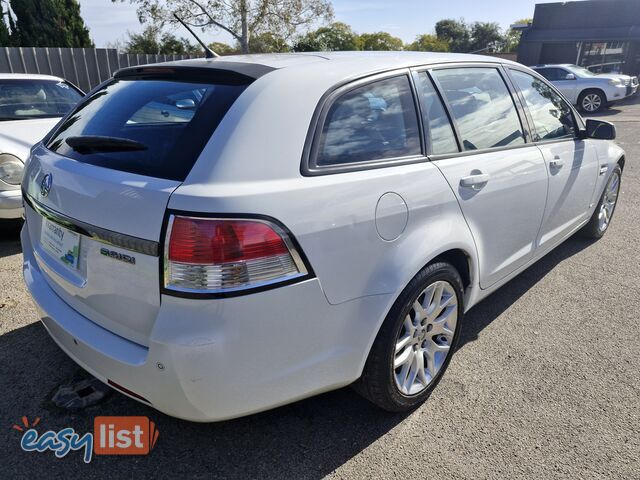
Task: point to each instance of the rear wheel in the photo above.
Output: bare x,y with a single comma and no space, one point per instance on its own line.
592,101
416,340
602,215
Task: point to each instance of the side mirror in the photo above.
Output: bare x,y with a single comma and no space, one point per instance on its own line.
186,104
600,130
570,76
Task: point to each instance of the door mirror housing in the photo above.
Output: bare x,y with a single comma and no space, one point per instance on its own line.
599,130
570,76
186,104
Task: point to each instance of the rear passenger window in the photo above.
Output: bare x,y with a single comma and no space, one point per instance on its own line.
552,117
482,107
376,121
440,136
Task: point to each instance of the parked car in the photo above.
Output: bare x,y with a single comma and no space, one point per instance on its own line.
314,221
589,91
30,105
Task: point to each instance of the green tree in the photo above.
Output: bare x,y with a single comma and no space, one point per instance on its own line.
5,35
242,19
485,36
512,36
428,43
337,36
172,45
151,40
380,41
49,23
144,42
223,49
268,43
456,33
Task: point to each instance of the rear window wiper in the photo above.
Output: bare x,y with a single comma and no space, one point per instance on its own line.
94,143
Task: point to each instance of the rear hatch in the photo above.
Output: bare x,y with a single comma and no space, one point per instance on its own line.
97,188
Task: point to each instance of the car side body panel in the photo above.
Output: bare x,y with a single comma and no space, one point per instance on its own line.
337,229
573,169
505,214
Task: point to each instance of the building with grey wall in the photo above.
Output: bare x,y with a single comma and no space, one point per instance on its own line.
602,35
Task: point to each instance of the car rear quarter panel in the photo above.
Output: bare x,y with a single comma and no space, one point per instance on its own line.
333,217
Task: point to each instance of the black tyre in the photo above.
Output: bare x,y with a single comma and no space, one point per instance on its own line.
602,215
592,101
416,340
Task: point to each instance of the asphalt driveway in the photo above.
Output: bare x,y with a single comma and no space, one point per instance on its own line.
546,383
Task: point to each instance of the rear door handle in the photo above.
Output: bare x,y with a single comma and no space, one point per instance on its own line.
475,181
557,162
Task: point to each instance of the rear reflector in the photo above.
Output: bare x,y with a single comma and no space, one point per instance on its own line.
210,255
127,391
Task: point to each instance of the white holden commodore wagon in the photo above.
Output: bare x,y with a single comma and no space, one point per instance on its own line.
219,237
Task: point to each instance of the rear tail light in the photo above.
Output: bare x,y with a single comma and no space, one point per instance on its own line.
219,255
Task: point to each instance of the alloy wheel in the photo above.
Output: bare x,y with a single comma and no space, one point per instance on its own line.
591,102
609,199
425,339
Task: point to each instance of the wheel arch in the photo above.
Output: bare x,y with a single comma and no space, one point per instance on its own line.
460,257
592,89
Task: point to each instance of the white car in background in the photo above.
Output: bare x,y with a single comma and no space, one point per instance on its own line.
30,106
589,91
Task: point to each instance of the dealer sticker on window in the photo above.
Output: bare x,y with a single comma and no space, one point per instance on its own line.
61,243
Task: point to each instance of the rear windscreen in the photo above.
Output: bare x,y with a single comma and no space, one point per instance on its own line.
152,127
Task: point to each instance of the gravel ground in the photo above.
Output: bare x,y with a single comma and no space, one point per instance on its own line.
546,384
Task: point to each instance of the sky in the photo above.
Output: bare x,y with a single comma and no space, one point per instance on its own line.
109,22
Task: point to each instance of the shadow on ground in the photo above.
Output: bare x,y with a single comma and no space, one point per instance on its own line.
10,237
492,307
616,108
308,439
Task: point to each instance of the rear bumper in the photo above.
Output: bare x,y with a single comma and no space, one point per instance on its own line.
10,204
211,360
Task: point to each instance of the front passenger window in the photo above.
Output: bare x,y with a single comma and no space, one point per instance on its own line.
552,117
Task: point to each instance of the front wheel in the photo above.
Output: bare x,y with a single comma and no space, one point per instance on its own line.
602,215
592,101
416,340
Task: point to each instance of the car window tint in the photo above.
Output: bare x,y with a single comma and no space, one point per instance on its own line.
24,99
372,122
482,107
441,138
552,117
548,73
172,119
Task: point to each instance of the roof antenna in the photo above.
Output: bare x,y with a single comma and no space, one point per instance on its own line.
208,53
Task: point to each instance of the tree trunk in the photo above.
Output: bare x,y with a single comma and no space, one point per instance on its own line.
244,34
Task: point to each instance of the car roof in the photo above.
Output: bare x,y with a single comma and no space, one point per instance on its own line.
28,76
349,63
549,65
